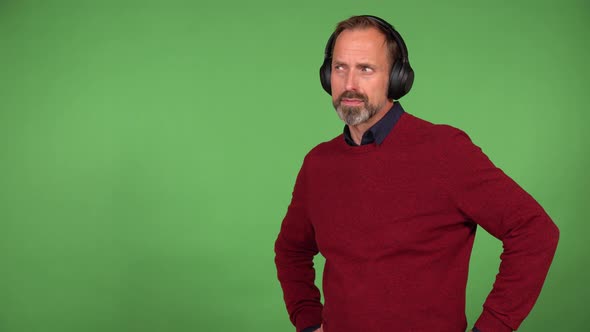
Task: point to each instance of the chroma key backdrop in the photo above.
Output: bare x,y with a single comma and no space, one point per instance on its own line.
148,149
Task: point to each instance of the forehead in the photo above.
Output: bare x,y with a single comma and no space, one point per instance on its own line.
368,44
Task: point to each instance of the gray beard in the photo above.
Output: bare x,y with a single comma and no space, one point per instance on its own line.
355,115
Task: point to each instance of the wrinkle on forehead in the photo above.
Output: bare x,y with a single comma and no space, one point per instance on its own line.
361,45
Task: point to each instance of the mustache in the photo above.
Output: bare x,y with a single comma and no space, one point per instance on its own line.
352,95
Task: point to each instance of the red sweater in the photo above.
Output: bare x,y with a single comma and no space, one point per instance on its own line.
396,224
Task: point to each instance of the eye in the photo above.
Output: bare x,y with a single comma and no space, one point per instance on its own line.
366,69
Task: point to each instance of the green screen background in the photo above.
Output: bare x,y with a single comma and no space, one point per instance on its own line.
148,149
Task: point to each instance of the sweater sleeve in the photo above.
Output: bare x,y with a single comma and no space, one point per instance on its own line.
490,198
295,248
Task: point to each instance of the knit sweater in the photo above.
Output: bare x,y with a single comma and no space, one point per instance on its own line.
396,224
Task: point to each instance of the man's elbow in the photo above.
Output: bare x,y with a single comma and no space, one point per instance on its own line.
553,235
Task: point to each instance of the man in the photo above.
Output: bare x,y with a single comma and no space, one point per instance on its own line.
393,204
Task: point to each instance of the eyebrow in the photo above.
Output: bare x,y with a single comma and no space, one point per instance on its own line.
362,64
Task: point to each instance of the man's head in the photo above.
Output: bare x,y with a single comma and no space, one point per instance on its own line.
358,67
365,22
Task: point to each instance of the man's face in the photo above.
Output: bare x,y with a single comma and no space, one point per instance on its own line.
360,74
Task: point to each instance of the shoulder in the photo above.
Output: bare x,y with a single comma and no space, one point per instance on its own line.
436,135
322,154
327,148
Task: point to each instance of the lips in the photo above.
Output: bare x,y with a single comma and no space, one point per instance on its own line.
351,101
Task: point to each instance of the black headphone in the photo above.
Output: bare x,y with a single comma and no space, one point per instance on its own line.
401,76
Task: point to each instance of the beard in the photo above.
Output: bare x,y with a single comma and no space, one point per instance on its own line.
355,115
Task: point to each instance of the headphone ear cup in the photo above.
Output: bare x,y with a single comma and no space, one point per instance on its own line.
325,73
400,80
395,80
408,79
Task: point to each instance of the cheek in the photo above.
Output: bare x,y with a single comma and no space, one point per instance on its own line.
337,88
336,82
381,87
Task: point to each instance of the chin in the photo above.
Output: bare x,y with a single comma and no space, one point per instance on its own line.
354,117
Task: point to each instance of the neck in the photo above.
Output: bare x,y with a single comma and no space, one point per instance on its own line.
357,131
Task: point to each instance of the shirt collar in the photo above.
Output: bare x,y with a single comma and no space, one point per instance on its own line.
380,130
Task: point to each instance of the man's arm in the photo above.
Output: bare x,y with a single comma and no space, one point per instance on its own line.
494,201
295,248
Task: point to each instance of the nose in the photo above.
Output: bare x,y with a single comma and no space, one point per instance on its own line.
351,81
